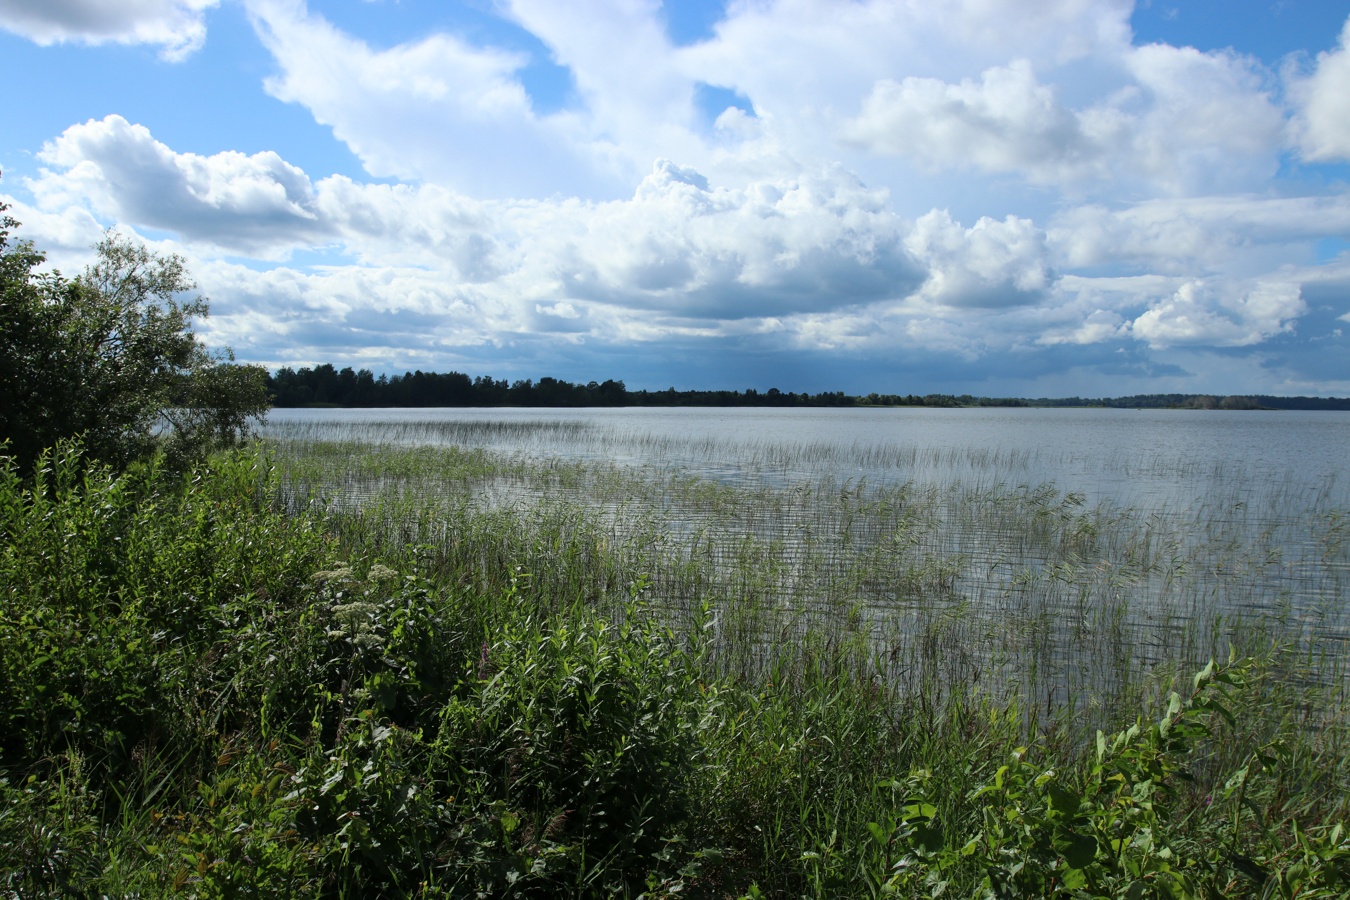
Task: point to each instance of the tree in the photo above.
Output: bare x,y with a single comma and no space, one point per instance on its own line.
110,357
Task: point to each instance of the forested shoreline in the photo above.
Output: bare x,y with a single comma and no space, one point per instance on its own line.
325,385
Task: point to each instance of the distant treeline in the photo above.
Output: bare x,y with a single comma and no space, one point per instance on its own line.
1200,401
325,385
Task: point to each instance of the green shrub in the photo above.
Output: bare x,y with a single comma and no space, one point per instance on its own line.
201,696
1122,827
572,747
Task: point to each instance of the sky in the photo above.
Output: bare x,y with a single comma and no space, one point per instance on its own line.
1041,198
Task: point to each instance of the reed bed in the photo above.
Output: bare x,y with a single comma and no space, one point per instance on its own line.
946,566
389,668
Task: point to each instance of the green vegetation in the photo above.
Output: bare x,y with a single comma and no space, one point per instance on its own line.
344,669
110,357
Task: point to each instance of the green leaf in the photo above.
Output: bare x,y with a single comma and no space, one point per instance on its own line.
928,839
1205,675
1062,800
919,812
1073,879
1078,850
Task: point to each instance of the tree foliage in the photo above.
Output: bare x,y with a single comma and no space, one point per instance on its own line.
110,357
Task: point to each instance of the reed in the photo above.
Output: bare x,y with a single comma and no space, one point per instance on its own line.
493,666
1061,605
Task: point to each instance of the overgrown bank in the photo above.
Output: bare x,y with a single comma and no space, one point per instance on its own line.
209,697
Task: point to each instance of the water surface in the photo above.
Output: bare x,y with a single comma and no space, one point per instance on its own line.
1141,458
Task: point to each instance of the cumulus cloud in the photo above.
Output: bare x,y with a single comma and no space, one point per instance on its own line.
1205,121
678,244
1176,236
624,67
1325,115
820,241
177,26
422,225
1177,119
286,316
438,108
759,47
1005,122
251,203
815,262
965,181
1221,315
681,255
1094,328
65,235
445,109
992,264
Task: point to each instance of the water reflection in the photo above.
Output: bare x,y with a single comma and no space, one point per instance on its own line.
1133,457
1054,551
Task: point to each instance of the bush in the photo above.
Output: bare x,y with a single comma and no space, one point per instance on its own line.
110,357
1124,828
202,696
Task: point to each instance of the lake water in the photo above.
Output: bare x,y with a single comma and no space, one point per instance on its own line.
1055,550
1143,458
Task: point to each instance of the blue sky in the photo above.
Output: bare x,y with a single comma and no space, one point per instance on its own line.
1036,198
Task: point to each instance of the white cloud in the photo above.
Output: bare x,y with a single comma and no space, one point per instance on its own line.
973,180
562,309
65,235
177,26
1197,234
1221,315
1005,122
261,204
820,241
423,225
760,46
1325,119
679,253
1176,119
444,109
438,108
817,261
253,203
1094,328
623,65
992,264
807,65
1206,121
349,312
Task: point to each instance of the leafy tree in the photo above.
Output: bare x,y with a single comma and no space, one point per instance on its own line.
110,357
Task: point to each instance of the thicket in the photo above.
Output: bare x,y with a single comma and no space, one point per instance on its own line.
110,356
205,696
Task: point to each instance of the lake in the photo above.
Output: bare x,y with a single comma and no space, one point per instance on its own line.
1053,552
1131,457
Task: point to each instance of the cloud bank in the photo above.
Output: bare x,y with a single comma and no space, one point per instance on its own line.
1027,191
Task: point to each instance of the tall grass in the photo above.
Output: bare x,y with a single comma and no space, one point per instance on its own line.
344,670
1041,597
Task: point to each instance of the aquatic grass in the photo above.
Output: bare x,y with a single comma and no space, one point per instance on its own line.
1075,600
374,672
